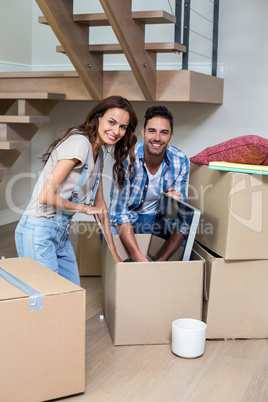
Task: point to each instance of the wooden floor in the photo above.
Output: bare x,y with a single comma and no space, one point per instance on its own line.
229,371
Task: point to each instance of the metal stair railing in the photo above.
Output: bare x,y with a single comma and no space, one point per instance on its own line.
183,12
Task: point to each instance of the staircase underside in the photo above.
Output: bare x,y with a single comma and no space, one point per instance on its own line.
171,86
29,111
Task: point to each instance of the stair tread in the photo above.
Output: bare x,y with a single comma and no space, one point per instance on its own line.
154,17
115,48
32,95
12,144
93,20
24,119
37,74
100,19
163,47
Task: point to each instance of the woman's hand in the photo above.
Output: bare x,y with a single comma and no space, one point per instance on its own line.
142,259
117,258
101,215
93,211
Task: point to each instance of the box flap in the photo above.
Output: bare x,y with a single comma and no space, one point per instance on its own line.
35,275
85,230
88,240
208,260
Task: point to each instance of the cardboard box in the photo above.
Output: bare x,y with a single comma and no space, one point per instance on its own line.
42,351
236,299
140,300
89,254
234,220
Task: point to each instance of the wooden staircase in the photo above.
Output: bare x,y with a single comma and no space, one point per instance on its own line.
33,95
16,130
145,17
146,82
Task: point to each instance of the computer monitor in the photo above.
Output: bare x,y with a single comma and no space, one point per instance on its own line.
173,215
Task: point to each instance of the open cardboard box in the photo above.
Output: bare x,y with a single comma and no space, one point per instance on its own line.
140,300
235,297
234,220
42,351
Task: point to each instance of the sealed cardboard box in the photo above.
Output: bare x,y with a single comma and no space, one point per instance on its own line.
42,337
89,254
140,300
236,299
234,220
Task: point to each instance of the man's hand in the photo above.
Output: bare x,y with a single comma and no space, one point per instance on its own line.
173,194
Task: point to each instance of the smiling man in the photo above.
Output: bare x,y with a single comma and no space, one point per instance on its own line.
159,167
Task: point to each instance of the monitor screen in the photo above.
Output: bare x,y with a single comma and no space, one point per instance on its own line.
173,215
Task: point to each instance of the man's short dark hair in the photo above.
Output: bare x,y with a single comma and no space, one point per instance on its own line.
158,111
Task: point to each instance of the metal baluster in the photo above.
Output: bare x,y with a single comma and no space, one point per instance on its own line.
215,37
186,34
178,14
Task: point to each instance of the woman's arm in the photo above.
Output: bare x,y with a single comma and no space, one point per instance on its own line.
104,218
127,236
48,195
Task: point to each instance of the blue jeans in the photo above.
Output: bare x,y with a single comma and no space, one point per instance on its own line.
47,242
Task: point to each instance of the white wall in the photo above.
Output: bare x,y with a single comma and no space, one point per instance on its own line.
44,42
15,34
242,49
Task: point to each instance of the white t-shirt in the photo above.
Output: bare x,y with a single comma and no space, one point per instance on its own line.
150,202
76,146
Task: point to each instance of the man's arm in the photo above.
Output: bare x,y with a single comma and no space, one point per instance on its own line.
171,245
127,236
178,192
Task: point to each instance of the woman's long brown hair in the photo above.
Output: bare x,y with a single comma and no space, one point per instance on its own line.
124,147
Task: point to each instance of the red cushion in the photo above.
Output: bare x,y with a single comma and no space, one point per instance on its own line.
250,149
265,162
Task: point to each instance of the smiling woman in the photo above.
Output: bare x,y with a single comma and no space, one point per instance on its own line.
112,126
73,170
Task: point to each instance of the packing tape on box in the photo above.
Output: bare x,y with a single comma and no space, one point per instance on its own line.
36,298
